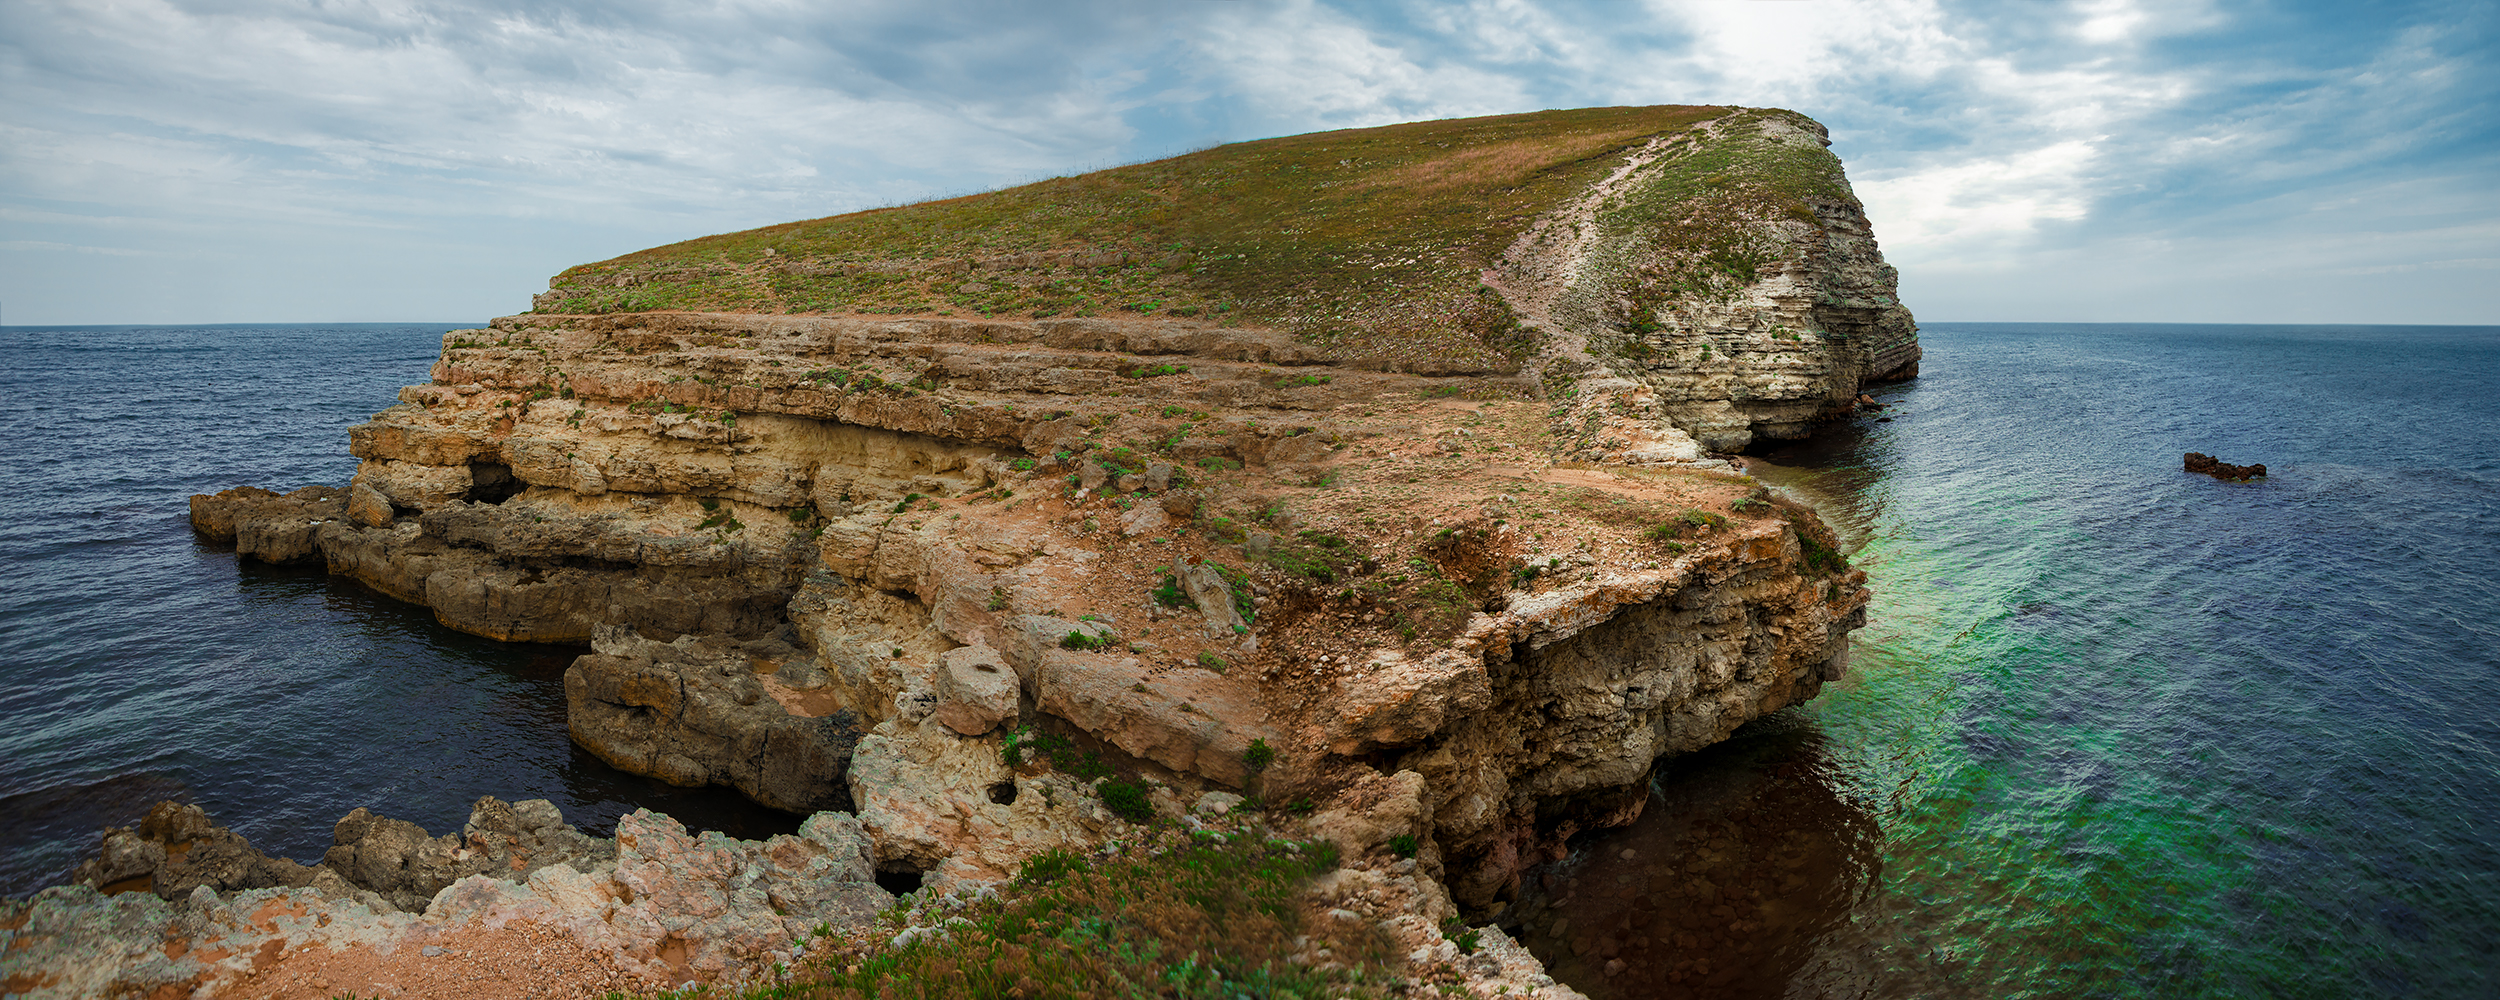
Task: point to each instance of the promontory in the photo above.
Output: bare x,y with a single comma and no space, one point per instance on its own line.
1365,489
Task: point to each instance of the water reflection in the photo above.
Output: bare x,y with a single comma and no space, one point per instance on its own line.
1745,860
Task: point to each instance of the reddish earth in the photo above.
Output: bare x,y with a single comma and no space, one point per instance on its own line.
518,960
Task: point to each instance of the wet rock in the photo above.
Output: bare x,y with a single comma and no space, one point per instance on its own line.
273,527
2219,469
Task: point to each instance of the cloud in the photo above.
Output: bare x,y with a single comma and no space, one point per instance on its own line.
1992,143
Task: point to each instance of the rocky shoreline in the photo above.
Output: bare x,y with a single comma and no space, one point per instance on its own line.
974,590
181,907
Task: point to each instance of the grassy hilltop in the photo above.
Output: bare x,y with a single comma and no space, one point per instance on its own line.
1367,243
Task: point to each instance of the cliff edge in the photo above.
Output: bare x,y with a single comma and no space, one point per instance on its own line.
1373,477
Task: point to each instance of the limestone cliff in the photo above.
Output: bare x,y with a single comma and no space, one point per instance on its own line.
1411,529
1723,279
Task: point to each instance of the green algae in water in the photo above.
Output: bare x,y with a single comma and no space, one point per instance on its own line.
2131,735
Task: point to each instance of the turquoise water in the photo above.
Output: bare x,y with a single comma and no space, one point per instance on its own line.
2113,730
2130,732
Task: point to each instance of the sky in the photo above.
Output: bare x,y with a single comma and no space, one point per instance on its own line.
184,161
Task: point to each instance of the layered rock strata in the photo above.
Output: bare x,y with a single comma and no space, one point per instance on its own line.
1670,294
989,582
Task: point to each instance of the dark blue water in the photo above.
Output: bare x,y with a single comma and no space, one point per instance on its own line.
138,664
2131,732
2122,731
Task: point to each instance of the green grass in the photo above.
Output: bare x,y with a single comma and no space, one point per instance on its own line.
1365,242
1321,557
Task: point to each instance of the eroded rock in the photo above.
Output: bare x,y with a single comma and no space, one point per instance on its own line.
657,902
695,712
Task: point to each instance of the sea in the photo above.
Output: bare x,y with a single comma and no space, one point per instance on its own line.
2112,729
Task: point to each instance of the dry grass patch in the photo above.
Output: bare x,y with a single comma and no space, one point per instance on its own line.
1366,242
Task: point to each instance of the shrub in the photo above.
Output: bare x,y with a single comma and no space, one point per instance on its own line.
1821,559
1170,595
1214,662
1048,866
1259,756
1126,800
1404,845
1081,639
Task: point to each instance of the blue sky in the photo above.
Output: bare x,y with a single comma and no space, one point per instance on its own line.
169,161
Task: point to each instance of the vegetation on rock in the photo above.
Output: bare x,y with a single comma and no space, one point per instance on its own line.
1367,243
1216,913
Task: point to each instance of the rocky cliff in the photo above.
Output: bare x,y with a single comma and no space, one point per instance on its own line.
1372,475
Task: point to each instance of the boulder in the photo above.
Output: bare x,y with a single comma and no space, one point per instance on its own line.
401,863
1207,588
1190,720
180,849
976,690
693,712
950,807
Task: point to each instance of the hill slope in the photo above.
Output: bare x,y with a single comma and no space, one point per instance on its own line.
1382,248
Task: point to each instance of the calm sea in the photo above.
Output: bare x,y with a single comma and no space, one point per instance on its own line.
137,664
2113,730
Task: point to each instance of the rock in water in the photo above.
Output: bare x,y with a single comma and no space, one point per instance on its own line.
2219,469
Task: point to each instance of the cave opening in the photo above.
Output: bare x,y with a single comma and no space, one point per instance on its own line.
899,881
492,482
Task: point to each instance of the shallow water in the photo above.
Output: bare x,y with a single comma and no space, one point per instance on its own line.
2125,731
138,664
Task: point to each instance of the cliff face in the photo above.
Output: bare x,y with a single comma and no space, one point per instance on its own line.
1723,280
998,582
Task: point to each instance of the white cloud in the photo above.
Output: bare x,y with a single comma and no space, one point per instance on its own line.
1300,62
1955,210
1985,139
